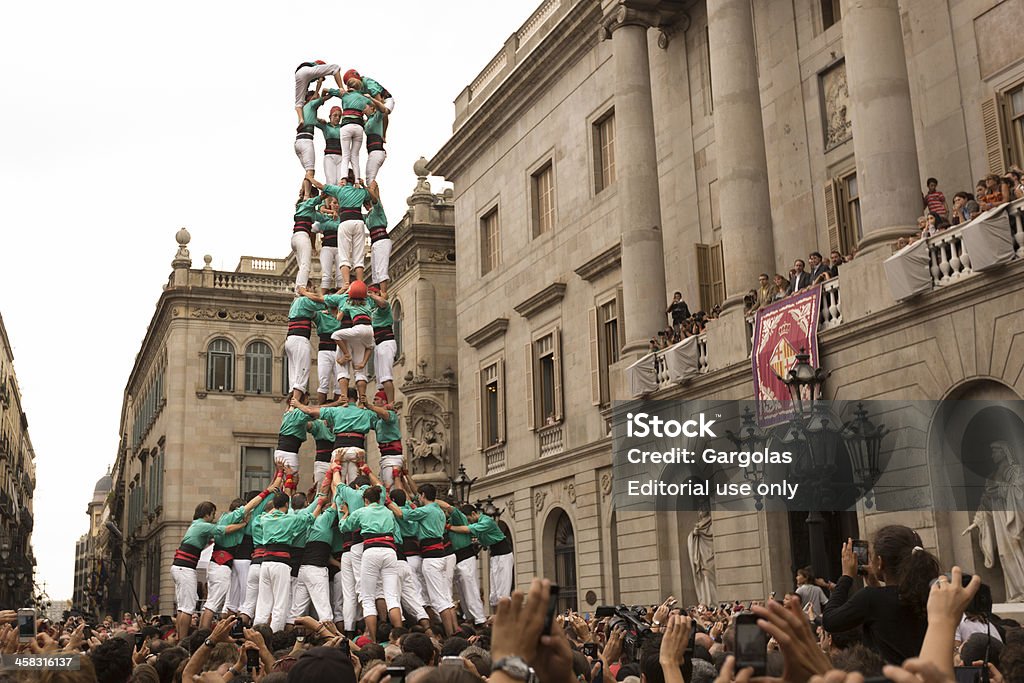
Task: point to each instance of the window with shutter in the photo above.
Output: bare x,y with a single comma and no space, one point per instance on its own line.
831,216
595,359
995,147
710,275
530,422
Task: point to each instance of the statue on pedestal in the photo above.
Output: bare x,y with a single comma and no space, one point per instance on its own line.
700,544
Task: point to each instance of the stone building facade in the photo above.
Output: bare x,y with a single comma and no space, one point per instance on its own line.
614,151
92,569
17,486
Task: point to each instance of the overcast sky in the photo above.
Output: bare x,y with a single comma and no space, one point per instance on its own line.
123,121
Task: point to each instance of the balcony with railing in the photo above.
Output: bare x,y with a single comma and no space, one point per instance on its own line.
494,458
551,439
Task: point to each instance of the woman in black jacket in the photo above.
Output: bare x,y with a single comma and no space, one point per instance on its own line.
893,616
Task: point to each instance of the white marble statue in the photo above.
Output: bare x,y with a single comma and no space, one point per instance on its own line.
700,544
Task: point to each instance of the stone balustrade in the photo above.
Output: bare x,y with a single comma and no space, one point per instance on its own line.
495,459
551,440
948,258
831,314
247,282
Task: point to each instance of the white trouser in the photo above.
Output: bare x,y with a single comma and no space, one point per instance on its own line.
501,568
236,593
327,372
351,586
387,465
330,275
296,348
374,160
252,589
275,595
390,104
359,339
302,245
351,243
319,471
186,588
412,599
349,456
384,360
218,582
332,168
468,578
380,564
416,574
380,258
304,151
287,458
306,75
437,575
351,147
312,586
337,598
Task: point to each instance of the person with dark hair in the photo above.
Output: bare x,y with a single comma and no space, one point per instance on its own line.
302,242
228,534
819,269
169,661
348,498
980,647
409,659
411,588
312,584
350,423
254,529
499,550
935,201
304,132
112,660
467,578
422,646
893,616
183,569
322,664
810,594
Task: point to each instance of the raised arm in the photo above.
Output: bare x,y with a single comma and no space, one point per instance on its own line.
259,498
319,298
312,411
232,528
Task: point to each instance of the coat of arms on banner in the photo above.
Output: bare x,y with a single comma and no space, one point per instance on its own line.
781,330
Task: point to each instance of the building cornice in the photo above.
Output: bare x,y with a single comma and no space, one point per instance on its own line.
607,260
549,296
492,330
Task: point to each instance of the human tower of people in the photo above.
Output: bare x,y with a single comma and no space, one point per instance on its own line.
356,546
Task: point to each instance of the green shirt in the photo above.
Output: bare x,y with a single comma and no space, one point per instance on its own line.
250,527
371,87
304,307
293,423
327,224
375,520
332,134
199,533
324,527
388,430
335,300
309,113
350,418
300,539
375,123
326,325
486,531
376,218
321,432
306,208
431,520
351,497
459,540
408,528
382,316
227,540
348,196
281,528
354,100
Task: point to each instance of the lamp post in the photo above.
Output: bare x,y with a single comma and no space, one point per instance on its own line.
460,486
488,507
751,438
863,443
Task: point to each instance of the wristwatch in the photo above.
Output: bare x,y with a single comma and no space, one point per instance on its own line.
235,672
516,667
210,644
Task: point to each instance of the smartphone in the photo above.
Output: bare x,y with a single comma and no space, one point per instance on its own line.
300,634
970,674
26,625
452,661
140,640
238,630
860,551
590,650
252,660
549,619
87,632
751,644
397,673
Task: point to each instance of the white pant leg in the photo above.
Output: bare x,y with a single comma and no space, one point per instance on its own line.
265,595
357,566
380,564
300,600
328,267
319,589
387,465
384,360
326,372
186,588
218,582
306,75
350,601
374,160
351,147
306,154
351,244
319,471
287,458
280,582
332,168
412,600
416,574
359,338
337,598
236,594
297,350
437,576
501,576
252,588
390,104
380,259
349,456
468,578
303,248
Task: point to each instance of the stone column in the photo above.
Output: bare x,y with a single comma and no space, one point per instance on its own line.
426,326
888,177
636,174
746,212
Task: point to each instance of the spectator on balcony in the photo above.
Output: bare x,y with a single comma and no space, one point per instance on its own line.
965,209
750,304
765,290
835,260
935,201
993,196
1018,185
679,311
799,278
819,269
781,285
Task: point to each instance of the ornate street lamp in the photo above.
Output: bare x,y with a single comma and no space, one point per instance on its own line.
460,486
489,508
863,443
803,380
751,438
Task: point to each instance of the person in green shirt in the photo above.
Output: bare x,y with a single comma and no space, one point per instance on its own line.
409,551
331,128
380,244
183,569
381,538
227,535
304,132
302,225
371,88
501,562
323,436
385,346
296,344
327,323
376,122
327,225
466,575
350,423
351,230
249,570
388,430
290,437
308,72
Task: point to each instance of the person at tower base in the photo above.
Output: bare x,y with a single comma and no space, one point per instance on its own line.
228,534
499,549
183,570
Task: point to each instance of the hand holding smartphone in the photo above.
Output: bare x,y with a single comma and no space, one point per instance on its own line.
549,619
860,551
751,644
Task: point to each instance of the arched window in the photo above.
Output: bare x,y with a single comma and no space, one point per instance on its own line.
396,314
565,562
220,366
258,367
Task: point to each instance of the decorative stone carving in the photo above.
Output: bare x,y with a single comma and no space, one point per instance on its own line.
428,443
538,500
397,270
700,545
240,315
836,104
441,255
570,492
606,484
510,507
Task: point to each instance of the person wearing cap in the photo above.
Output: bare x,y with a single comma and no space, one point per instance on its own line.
354,106
351,229
306,73
467,578
380,243
304,133
388,431
372,88
501,562
296,345
436,551
254,530
376,120
290,437
227,535
333,170
280,527
302,231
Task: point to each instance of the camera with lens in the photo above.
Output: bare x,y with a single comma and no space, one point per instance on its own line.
631,621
